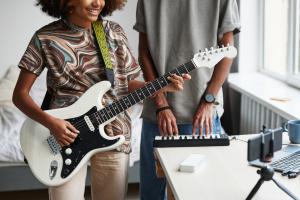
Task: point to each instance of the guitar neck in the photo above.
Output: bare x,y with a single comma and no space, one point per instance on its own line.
140,94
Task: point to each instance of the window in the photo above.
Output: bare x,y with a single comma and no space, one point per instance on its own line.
281,40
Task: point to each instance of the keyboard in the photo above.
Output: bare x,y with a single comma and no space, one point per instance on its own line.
290,163
191,141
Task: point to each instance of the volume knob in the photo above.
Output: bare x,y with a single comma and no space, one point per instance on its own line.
68,161
68,151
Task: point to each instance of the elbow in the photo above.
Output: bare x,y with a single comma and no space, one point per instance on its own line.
16,98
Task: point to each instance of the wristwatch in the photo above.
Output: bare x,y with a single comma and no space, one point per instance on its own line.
209,98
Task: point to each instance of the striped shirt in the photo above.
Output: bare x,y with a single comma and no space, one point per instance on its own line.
74,62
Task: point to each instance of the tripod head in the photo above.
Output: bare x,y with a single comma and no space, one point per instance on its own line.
266,173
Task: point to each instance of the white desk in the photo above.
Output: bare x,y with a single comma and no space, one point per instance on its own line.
225,175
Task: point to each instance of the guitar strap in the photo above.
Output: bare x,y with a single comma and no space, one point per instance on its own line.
103,46
102,43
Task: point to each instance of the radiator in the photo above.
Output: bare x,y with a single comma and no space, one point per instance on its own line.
254,115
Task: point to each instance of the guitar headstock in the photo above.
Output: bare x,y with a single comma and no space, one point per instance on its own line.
209,58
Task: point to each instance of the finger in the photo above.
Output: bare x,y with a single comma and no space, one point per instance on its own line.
164,128
211,125
175,78
60,143
64,142
194,130
67,138
195,126
179,87
178,78
175,128
69,133
169,127
72,128
159,125
207,128
186,77
201,127
160,131
72,135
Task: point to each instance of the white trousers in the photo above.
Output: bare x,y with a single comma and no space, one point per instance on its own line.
108,179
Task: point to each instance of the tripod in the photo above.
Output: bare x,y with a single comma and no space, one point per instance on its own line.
266,174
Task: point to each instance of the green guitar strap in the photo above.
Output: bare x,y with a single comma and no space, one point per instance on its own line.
103,46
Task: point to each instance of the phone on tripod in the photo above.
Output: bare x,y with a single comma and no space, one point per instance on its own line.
262,145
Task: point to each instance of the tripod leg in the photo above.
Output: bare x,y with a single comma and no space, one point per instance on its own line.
283,188
255,189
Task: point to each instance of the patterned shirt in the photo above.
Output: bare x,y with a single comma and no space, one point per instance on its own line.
74,62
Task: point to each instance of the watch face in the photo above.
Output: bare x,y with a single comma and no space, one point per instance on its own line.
209,98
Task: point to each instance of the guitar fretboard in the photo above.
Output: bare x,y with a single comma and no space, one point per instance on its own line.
138,95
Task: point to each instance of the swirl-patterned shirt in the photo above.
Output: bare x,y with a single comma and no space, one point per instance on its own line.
74,62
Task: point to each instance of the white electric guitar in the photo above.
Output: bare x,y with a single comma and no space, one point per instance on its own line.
54,165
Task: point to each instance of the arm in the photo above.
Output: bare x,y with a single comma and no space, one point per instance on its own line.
222,69
203,117
166,119
64,132
177,84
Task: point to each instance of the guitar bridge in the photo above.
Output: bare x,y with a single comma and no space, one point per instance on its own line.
53,144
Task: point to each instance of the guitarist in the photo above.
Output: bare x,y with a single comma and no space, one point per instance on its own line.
170,32
68,49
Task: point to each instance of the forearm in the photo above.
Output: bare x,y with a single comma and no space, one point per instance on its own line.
25,103
23,100
134,84
145,59
222,69
148,68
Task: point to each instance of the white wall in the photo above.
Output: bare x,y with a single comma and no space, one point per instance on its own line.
20,19
249,37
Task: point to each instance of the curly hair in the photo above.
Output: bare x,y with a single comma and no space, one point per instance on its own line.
59,8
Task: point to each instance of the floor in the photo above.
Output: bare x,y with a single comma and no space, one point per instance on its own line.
133,194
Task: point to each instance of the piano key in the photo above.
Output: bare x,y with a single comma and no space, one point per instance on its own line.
189,140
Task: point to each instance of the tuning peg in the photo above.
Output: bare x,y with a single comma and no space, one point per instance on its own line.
222,48
228,45
211,50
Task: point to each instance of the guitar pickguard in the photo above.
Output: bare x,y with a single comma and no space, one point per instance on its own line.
85,142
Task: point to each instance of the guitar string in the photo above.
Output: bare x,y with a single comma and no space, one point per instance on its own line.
93,118
81,123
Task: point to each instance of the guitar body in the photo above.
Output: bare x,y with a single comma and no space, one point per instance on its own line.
53,165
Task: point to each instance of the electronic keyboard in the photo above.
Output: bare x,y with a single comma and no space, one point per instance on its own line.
191,141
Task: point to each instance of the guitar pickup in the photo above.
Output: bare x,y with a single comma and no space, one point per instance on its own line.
89,123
